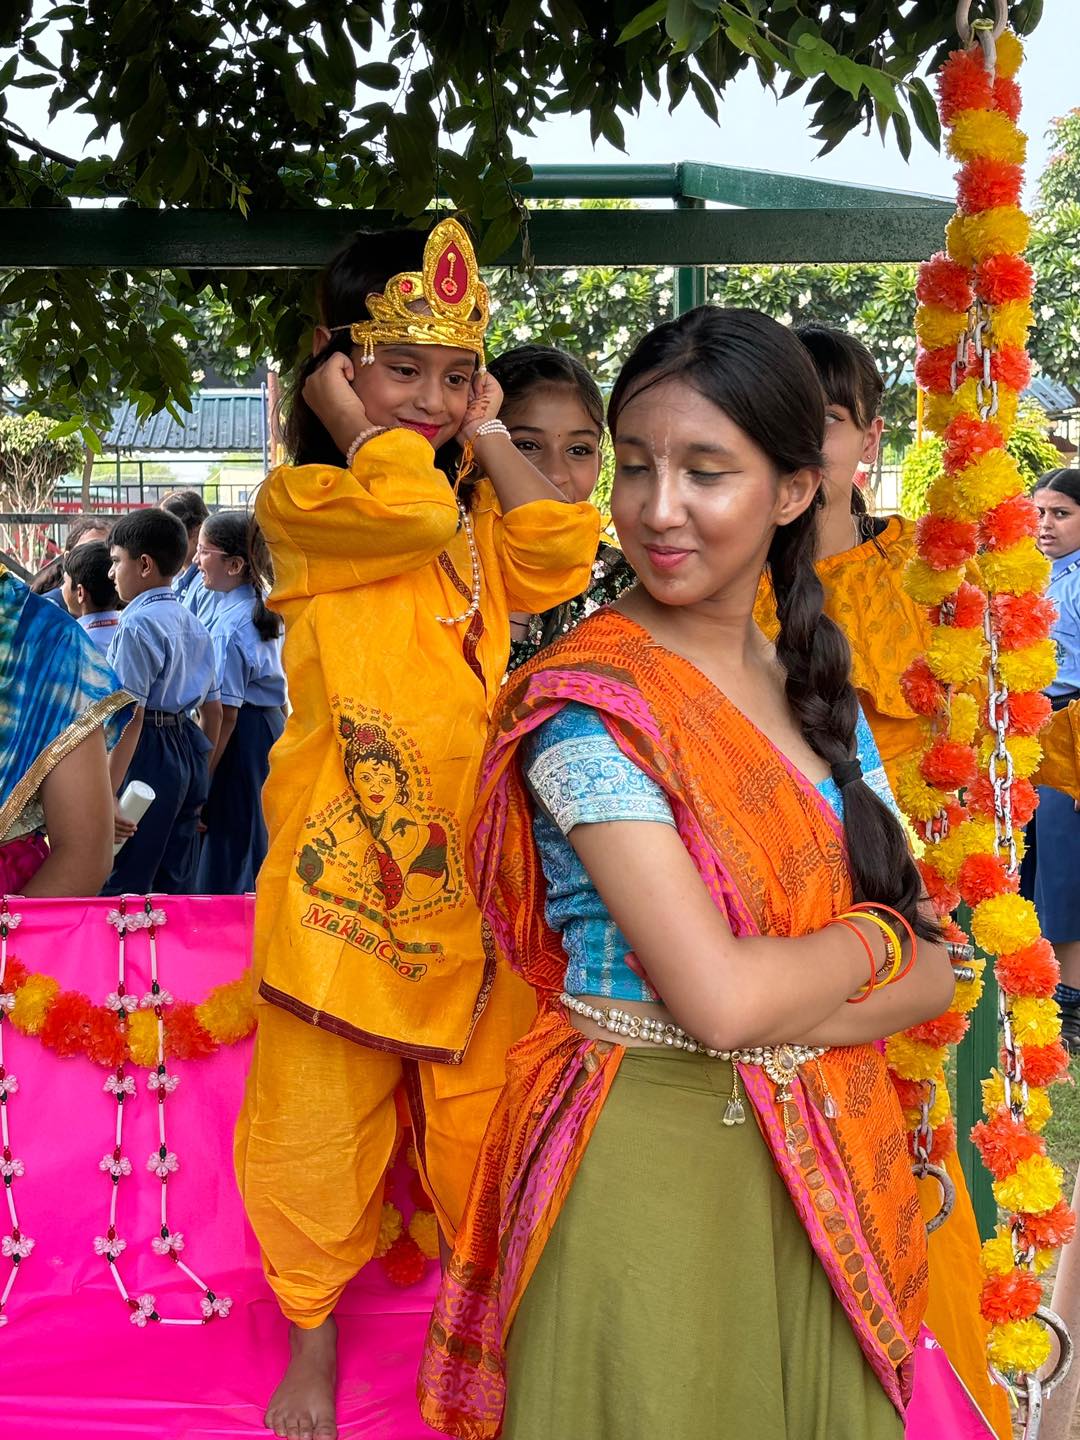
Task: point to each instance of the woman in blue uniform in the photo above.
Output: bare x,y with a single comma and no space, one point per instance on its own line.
1057,823
247,649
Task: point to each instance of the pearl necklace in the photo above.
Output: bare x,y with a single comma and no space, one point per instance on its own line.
465,521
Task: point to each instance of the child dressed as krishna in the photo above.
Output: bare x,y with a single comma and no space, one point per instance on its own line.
396,584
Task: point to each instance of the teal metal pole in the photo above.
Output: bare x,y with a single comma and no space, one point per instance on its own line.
690,280
976,1056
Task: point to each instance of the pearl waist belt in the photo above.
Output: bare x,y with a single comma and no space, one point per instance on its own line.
780,1062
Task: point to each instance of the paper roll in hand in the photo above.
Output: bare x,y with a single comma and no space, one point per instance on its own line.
133,805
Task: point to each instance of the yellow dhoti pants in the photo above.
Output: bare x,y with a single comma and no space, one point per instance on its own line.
319,1125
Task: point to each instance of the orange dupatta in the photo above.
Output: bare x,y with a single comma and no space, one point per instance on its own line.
771,852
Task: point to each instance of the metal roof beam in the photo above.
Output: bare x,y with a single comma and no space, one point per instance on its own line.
303,239
766,189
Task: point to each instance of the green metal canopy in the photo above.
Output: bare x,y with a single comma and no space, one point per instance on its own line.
768,219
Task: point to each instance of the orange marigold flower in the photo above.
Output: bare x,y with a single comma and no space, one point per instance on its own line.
106,1043
404,1262
1029,710
1001,278
1003,1141
1030,971
1013,1296
966,438
947,1029
1050,1230
15,973
67,1025
980,799
981,876
1007,96
1022,620
910,1093
943,1142
951,933
1043,1064
944,282
984,183
948,765
943,896
921,688
1011,366
934,369
185,1038
945,543
963,84
1008,522
969,607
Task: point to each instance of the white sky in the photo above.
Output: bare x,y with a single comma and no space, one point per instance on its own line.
755,130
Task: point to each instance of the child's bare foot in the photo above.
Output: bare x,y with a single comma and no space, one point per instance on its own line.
302,1406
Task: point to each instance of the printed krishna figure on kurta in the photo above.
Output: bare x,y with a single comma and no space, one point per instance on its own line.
381,836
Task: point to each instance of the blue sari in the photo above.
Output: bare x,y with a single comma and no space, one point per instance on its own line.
55,689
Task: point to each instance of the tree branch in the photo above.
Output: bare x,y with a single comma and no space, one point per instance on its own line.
19,137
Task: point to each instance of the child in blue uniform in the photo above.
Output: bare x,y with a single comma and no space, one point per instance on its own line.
190,509
89,593
164,657
247,649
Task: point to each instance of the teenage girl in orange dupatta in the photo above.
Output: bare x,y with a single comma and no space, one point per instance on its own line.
659,826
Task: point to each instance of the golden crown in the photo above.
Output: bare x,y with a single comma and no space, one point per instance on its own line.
449,285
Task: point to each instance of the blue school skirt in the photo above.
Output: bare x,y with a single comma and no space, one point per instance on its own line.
234,845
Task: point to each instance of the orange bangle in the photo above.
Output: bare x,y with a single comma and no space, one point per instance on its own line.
869,990
873,905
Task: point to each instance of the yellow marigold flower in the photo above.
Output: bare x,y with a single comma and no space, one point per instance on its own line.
914,796
963,719
1008,404
956,656
390,1227
911,1058
936,326
1016,570
997,1253
32,1001
228,1012
1043,1260
1035,1021
1010,54
1034,1186
943,498
969,992
973,837
1018,1346
987,132
994,477
1004,923
957,245
1010,322
142,1036
424,1229
929,586
1025,750
1031,668
1005,230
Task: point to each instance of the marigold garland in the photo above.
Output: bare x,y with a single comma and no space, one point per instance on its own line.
968,793
69,1023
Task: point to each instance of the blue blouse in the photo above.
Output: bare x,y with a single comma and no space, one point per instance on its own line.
1064,590
580,777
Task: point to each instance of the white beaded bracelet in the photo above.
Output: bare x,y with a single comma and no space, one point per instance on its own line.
361,439
490,427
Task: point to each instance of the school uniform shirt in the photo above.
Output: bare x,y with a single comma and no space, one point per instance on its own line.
1064,591
249,668
100,627
190,589
163,655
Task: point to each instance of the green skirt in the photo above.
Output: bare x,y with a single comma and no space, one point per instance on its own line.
678,1297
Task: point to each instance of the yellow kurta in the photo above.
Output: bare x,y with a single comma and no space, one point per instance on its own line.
365,925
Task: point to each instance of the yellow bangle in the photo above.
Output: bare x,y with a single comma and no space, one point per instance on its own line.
893,952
